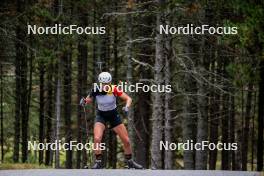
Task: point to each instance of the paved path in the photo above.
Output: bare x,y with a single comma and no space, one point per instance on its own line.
120,172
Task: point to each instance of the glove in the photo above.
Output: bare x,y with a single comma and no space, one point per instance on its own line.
82,102
125,109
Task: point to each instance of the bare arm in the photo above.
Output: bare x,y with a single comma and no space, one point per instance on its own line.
127,99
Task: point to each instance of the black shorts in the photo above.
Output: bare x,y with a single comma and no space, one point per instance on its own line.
112,117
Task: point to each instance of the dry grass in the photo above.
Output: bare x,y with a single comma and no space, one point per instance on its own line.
21,166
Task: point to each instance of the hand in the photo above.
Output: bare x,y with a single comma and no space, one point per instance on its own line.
82,102
125,109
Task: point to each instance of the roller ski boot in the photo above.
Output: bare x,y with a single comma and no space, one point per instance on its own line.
98,164
131,164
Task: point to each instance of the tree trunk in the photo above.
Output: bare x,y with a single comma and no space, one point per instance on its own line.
85,128
142,123
253,147
58,6
3,47
239,135
168,154
203,92
2,111
129,23
79,108
49,109
225,124
157,98
232,128
246,128
67,105
21,35
143,108
31,67
58,116
189,123
189,108
24,107
214,115
225,119
21,88
82,132
201,155
41,108
238,151
260,117
206,54
112,159
81,92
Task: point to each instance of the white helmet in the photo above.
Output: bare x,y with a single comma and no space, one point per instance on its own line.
105,77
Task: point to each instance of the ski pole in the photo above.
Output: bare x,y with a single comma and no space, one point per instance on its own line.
86,125
87,131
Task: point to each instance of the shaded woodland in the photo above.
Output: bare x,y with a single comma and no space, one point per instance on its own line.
217,81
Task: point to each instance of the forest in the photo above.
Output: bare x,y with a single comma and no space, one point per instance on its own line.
217,81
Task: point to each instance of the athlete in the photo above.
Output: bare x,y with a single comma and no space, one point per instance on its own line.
107,113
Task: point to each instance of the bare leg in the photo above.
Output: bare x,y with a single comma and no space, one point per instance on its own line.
98,134
121,131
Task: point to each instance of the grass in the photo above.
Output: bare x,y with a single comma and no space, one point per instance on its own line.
21,166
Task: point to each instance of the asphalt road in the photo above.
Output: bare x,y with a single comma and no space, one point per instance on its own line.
121,172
